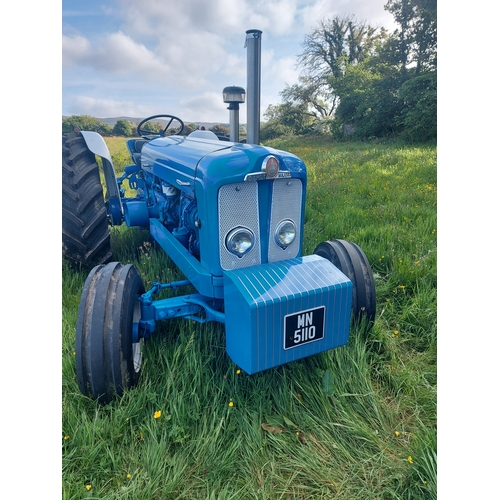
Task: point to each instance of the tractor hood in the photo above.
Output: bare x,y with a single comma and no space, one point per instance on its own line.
174,159
182,151
192,163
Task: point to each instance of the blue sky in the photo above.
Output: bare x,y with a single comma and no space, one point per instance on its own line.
139,58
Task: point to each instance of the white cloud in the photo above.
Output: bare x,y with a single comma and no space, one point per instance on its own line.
107,108
120,53
225,18
194,58
235,67
207,107
283,72
75,50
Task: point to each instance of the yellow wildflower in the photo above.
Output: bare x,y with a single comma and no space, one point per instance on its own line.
238,372
397,433
157,414
410,459
128,476
230,403
396,332
66,438
88,487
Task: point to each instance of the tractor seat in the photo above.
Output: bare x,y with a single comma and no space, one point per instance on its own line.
136,154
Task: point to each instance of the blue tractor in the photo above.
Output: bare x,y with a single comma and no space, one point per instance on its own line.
230,215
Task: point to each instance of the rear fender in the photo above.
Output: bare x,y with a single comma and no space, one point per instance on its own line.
97,145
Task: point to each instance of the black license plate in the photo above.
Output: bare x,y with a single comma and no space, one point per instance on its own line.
304,326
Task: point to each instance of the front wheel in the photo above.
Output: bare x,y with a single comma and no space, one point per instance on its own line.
351,260
108,361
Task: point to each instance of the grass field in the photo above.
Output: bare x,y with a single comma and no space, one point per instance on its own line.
357,422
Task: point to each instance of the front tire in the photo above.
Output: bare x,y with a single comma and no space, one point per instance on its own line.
85,230
351,260
108,361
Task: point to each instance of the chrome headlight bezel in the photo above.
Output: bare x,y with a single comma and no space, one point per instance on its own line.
240,240
285,233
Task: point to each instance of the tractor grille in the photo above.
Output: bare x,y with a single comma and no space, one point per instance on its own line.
239,207
286,204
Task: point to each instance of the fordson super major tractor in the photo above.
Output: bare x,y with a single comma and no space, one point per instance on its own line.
230,215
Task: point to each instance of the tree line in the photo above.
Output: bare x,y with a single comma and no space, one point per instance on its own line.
359,81
125,128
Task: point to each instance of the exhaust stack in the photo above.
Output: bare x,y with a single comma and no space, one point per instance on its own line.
252,44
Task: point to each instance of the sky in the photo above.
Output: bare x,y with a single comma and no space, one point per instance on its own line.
137,59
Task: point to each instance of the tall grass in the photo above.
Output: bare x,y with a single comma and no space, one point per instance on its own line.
357,422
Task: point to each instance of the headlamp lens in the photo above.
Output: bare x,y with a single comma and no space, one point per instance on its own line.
285,233
240,241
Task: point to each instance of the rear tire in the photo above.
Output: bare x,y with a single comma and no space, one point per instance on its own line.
351,260
108,361
85,230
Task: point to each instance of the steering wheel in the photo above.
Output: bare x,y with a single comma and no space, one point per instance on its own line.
169,118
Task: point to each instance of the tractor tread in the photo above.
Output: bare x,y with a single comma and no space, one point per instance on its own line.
85,231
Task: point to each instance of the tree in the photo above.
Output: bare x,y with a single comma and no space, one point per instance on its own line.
368,102
85,122
334,44
219,130
124,128
417,33
153,127
418,96
364,79
294,117
425,34
331,47
188,128
316,100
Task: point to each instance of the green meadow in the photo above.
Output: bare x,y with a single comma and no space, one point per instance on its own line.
357,422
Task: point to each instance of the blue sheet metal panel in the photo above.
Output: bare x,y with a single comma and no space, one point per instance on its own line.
174,158
269,308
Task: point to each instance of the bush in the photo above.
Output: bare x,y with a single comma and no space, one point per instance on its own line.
273,129
124,128
419,114
219,130
85,122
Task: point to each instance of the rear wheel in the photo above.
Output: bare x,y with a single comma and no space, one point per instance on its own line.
351,260
108,360
85,230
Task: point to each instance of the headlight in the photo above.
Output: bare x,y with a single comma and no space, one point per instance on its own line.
285,233
240,241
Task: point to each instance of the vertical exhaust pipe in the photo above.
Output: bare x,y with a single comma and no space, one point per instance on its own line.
252,44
